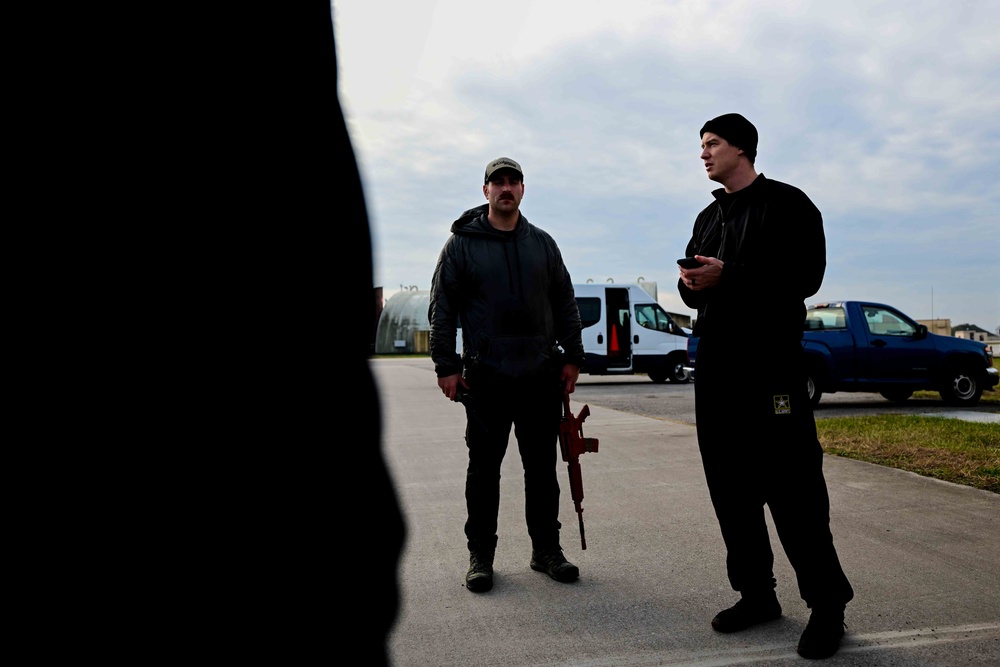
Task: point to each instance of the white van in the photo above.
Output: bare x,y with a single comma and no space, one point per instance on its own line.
625,331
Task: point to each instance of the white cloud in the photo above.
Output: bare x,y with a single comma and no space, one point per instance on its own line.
886,114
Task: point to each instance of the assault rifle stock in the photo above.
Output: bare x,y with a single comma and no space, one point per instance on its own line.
572,443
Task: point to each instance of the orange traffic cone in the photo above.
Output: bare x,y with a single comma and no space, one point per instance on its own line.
614,340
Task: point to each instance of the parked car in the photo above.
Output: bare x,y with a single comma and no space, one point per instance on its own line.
865,346
862,346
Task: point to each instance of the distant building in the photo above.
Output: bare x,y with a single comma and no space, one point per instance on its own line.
403,327
379,304
971,332
942,327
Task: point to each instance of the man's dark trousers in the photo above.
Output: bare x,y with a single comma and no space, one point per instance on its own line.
759,446
534,407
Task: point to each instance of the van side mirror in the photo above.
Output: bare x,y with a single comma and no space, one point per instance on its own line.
921,331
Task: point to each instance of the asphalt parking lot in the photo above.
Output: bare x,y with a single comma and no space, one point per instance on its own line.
638,395
922,554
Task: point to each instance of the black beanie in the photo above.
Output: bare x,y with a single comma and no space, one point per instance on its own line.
735,129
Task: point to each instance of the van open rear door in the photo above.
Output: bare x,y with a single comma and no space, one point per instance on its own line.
619,328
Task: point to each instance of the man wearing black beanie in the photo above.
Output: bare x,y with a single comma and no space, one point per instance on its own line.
762,252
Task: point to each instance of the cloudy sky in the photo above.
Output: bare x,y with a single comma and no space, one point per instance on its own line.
887,114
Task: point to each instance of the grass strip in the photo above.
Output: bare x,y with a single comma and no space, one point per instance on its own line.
952,450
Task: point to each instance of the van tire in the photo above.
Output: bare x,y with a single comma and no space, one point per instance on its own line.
677,373
672,371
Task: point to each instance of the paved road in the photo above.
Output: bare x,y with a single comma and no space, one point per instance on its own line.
922,554
638,395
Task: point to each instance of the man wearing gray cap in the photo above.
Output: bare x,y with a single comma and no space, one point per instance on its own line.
504,279
761,252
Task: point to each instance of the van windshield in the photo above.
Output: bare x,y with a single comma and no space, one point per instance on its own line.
652,316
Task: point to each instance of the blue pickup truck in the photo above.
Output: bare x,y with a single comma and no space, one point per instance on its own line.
872,347
862,346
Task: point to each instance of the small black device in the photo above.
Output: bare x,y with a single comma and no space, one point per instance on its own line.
689,263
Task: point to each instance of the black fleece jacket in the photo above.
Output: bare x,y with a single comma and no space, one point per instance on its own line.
513,295
770,236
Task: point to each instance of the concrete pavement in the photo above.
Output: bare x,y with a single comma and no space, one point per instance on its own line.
982,417
922,555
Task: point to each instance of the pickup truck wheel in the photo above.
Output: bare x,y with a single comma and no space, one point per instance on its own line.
813,390
961,387
896,395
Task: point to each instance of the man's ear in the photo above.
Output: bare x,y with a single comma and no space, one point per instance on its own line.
485,193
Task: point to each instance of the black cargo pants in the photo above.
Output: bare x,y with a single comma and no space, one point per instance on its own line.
757,436
533,406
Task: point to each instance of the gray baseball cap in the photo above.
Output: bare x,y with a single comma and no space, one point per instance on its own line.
501,163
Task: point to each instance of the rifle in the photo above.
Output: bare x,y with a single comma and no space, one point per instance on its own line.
572,443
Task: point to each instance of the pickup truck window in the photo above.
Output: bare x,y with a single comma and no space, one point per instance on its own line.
825,318
882,322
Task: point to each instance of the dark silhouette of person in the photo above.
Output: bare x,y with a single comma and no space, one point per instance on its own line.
240,458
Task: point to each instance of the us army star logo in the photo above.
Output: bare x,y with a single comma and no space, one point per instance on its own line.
782,405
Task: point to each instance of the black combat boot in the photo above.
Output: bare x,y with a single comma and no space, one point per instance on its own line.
553,563
822,635
750,610
479,578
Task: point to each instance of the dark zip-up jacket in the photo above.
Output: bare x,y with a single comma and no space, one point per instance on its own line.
770,236
512,294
